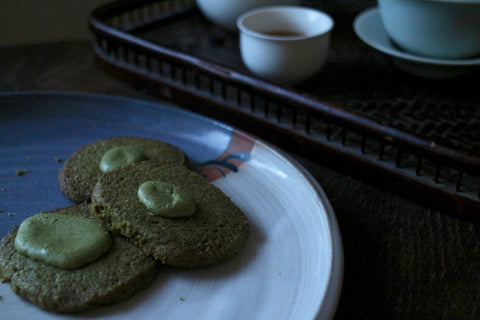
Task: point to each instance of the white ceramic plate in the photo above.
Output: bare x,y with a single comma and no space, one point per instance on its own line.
369,28
292,265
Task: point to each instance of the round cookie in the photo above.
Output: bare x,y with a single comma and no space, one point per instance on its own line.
216,231
123,271
80,172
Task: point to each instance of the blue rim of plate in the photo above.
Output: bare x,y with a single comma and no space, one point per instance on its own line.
225,157
369,28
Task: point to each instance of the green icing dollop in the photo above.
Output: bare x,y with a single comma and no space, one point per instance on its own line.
64,241
165,199
120,156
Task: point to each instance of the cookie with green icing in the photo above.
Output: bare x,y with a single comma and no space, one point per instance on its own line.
62,240
81,171
203,227
114,276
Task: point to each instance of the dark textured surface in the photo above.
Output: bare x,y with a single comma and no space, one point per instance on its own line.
402,260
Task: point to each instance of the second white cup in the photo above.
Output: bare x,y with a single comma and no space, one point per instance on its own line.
284,44
442,29
225,12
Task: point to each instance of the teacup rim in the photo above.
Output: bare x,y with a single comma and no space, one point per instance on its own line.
261,35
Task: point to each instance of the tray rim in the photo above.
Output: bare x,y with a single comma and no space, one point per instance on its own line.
425,148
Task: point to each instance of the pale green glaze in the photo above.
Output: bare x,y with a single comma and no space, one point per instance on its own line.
165,199
65,241
120,156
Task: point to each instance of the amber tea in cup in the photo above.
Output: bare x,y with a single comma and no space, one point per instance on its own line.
283,33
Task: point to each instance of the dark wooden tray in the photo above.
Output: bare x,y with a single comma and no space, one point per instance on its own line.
361,115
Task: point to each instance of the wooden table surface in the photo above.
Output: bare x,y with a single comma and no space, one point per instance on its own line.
402,260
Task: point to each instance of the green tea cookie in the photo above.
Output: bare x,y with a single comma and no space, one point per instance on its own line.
82,170
212,232
117,275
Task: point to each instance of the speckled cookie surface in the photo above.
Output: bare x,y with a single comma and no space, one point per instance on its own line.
216,231
120,273
81,171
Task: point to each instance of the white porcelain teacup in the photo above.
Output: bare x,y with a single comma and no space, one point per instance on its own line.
225,12
445,29
285,44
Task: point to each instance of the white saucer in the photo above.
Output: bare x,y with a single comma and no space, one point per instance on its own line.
369,28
